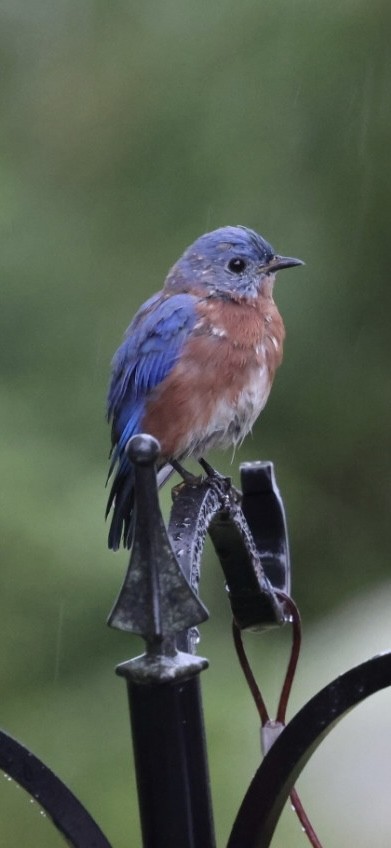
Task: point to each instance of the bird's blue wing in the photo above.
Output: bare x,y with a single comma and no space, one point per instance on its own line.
150,350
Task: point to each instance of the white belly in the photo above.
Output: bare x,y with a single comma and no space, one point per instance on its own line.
231,420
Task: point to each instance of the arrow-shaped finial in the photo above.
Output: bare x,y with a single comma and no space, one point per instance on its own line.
156,601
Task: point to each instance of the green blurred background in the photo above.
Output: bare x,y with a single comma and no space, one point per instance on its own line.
127,129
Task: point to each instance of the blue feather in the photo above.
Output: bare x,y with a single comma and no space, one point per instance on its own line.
151,347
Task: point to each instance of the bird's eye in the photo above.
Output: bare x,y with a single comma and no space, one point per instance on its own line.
237,265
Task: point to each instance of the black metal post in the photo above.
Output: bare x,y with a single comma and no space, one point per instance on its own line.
157,602
170,760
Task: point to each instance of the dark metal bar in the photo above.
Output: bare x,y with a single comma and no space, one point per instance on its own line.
157,602
65,811
171,767
270,788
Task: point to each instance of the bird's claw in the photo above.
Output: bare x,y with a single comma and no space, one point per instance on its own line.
187,477
223,487
219,482
192,480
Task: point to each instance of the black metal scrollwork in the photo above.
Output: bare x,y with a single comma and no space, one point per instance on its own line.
63,808
159,601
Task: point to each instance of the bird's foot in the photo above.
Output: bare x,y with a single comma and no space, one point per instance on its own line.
187,477
211,472
219,482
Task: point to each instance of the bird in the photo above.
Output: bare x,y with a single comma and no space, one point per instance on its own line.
197,362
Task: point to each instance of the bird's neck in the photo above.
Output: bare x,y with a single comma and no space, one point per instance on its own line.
267,286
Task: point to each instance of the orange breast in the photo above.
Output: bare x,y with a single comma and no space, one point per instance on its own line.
221,382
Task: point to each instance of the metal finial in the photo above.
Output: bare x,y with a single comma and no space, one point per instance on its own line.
155,601
143,449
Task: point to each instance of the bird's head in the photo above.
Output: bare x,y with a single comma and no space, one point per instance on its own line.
233,261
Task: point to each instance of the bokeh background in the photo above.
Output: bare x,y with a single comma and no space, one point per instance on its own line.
127,129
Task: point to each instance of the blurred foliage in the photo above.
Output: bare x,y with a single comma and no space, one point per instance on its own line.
127,129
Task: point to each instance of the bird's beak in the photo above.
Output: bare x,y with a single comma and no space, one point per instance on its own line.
279,262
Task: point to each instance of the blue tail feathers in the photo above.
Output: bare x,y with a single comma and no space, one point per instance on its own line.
121,499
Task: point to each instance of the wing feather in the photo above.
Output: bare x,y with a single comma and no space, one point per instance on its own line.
151,347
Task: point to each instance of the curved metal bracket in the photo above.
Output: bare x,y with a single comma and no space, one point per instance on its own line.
249,535
264,511
67,813
275,778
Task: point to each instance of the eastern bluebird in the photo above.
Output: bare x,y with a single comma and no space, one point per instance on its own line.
198,360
